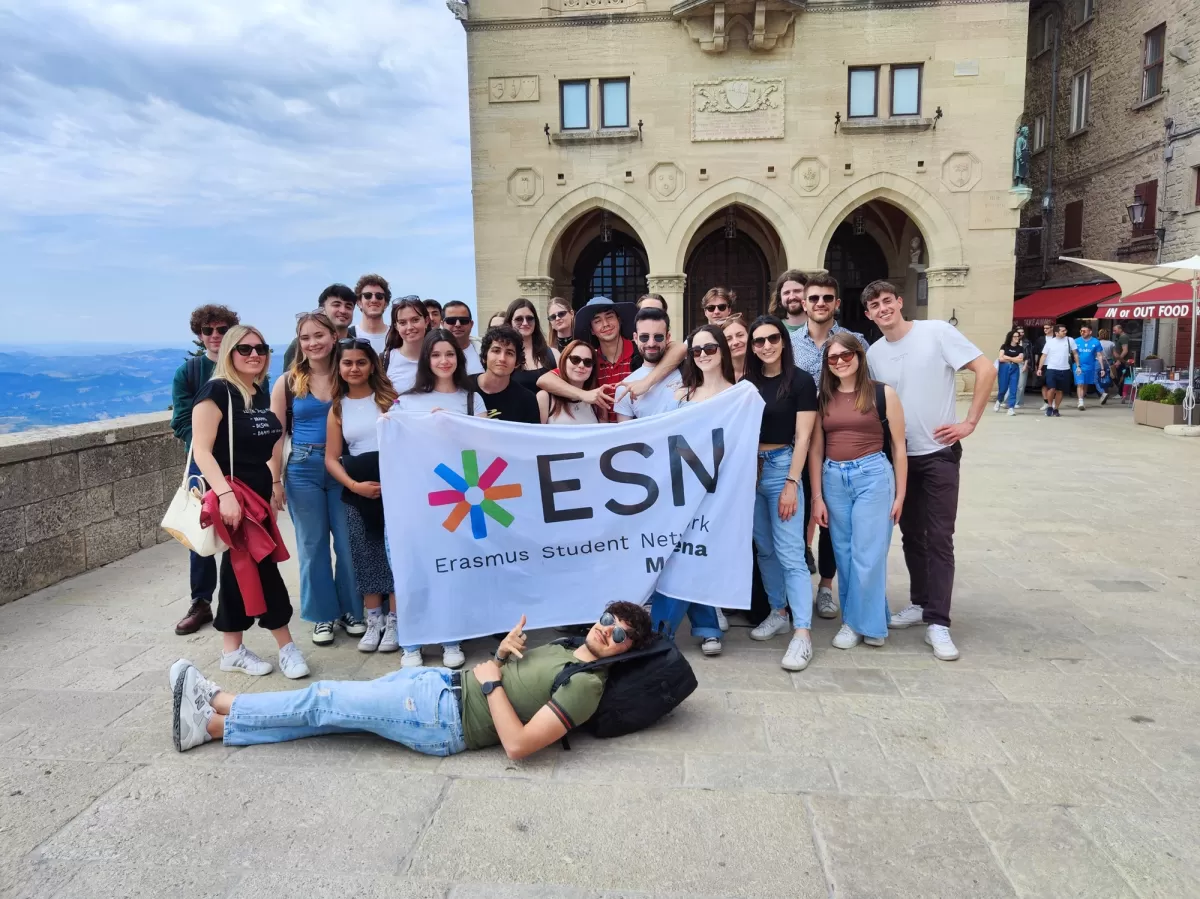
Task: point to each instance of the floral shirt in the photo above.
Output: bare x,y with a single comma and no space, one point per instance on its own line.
808,355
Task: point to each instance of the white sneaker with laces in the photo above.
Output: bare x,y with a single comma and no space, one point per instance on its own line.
774,624
1081,405
1044,407
906,617
1012,411
292,663
323,633
798,655
873,641
243,660
390,641
412,658
190,711
711,646
938,636
846,638
355,627
996,408
722,621
827,606
207,687
452,656
373,634
1104,398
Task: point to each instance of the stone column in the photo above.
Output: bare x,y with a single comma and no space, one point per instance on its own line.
671,288
536,290
947,298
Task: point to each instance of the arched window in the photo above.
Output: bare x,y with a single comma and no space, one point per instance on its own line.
616,269
855,260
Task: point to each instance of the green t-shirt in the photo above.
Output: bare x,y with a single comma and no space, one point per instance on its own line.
527,684
794,328
1121,341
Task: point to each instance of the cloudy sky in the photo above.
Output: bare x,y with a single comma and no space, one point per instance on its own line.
158,154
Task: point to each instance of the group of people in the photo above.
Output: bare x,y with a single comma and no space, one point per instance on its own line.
1085,362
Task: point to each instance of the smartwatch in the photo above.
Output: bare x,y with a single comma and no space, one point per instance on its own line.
489,686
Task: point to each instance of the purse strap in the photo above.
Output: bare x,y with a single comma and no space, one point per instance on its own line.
187,465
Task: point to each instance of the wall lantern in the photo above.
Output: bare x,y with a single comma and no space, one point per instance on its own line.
1137,211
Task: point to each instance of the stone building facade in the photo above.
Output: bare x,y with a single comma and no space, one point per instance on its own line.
620,146
1136,134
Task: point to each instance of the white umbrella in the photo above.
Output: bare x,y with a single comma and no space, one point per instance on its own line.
1134,278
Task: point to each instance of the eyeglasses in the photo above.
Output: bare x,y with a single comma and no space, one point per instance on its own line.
208,330
555,316
456,319
841,358
585,361
706,349
824,298
618,632
524,320
760,342
245,349
716,307
646,338
354,343
374,295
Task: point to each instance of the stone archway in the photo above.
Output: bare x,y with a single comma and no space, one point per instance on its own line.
737,249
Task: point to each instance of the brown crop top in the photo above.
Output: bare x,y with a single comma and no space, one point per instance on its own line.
850,434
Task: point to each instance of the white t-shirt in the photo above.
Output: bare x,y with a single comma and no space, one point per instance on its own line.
659,399
474,366
377,340
920,367
402,372
1058,353
451,402
1107,346
358,425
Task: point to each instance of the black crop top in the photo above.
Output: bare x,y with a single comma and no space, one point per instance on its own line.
779,417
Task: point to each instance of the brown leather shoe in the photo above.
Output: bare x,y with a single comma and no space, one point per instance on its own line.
197,616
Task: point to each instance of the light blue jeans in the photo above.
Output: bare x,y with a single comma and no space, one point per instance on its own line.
780,543
415,707
669,613
314,501
859,496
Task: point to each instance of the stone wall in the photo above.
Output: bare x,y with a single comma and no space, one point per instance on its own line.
78,497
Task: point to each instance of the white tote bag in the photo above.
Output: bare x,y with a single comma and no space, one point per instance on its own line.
182,520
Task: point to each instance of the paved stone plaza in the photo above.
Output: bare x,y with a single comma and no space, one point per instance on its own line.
1059,757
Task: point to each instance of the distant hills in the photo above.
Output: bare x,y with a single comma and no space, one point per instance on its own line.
38,390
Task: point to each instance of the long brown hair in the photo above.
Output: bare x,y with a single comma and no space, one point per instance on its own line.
381,386
692,376
392,340
864,387
541,352
301,370
557,403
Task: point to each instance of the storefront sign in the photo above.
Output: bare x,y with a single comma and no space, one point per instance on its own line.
1150,310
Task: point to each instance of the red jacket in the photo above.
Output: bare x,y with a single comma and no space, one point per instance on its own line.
256,538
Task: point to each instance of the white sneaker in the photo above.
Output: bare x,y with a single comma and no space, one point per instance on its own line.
711,646
207,687
938,636
452,656
996,408
292,663
827,606
1044,407
373,635
190,711
906,617
798,655
774,624
846,638
1104,398
243,660
412,658
1081,406
323,633
722,622
1012,411
873,641
390,641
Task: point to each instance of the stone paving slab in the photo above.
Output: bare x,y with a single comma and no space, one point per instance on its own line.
1059,757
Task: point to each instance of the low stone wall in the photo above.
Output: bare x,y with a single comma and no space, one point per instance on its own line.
78,497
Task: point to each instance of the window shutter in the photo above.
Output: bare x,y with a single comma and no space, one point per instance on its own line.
1073,226
1148,191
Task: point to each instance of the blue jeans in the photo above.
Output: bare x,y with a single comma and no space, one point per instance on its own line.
202,570
415,707
669,613
859,496
780,543
1008,377
314,501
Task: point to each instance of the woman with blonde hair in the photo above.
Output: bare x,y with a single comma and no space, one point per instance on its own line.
577,366
237,444
561,319
301,400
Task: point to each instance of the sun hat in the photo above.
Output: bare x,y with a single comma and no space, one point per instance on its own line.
626,313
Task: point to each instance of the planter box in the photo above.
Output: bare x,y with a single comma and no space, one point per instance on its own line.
1156,415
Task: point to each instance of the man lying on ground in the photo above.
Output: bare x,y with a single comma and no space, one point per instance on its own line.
434,711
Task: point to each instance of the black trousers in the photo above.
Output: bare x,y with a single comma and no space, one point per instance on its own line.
826,563
927,530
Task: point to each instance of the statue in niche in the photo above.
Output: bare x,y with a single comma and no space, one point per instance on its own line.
914,251
1021,158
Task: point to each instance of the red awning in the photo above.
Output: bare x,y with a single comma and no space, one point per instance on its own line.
1168,301
1043,307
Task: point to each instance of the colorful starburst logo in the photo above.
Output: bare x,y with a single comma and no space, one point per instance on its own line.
475,494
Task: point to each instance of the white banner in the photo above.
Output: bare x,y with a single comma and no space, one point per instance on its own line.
489,520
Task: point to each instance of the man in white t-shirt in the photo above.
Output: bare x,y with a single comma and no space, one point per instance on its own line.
456,318
374,297
651,334
1055,366
919,359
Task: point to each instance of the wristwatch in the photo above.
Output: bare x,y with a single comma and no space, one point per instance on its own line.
489,686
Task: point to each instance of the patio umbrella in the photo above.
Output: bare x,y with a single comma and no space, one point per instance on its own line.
1135,278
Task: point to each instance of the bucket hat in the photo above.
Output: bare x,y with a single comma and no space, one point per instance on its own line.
626,312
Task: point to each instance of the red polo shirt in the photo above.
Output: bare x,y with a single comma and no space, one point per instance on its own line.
607,373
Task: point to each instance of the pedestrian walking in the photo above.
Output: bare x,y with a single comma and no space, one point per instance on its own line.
1008,369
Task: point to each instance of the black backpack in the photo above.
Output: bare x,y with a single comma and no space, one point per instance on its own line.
643,685
881,410
192,374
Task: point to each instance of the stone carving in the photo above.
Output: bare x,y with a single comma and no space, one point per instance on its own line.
737,109
525,186
960,171
914,251
951,276
666,181
712,25
588,5
665,284
516,89
540,288
810,176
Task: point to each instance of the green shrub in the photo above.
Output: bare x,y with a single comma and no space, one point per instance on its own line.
1153,393
1174,398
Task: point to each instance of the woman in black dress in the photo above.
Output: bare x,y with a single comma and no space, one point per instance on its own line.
237,393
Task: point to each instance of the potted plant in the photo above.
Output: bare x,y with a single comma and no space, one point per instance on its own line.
1156,406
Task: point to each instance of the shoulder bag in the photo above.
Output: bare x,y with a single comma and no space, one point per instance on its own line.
182,520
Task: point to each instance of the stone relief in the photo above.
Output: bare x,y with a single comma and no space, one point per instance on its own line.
737,109
525,186
914,251
810,176
717,25
517,89
666,181
587,5
951,276
537,288
960,171
666,283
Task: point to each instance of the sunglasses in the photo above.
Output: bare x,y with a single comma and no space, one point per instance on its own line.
456,319
646,338
354,343
208,330
585,361
818,299
374,295
618,632
760,342
524,320
706,349
245,349
716,307
555,316
840,358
